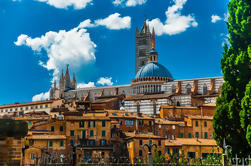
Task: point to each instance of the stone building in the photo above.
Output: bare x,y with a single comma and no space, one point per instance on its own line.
152,87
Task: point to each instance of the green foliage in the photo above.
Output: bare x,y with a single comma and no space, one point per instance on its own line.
13,128
232,117
157,158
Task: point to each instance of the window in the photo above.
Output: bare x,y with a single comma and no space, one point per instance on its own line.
141,122
72,133
61,128
32,156
71,142
46,106
31,107
181,135
167,136
204,89
128,122
189,135
91,124
142,53
191,154
11,109
91,133
83,134
26,108
197,134
140,152
173,88
196,123
81,124
61,143
140,142
102,142
205,135
150,123
138,108
103,133
36,107
159,143
188,89
173,127
41,106
50,143
103,123
52,128
205,124
92,142
20,109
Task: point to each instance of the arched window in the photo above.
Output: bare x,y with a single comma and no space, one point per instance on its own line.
204,89
173,88
188,89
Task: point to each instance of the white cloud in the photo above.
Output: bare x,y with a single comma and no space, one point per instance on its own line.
175,22
226,16
72,47
41,96
84,85
215,18
225,39
64,4
135,2
117,2
105,81
115,22
129,3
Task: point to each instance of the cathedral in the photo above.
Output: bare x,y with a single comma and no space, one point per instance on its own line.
152,87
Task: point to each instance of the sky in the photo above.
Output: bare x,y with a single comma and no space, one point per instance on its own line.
38,38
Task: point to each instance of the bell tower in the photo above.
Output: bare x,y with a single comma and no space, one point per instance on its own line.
144,40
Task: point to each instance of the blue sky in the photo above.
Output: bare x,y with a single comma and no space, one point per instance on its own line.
97,39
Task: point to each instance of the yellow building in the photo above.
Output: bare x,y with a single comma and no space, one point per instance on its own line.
136,148
191,147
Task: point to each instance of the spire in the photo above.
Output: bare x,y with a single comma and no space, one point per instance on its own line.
74,82
144,28
153,56
67,79
137,30
61,81
153,44
55,84
153,33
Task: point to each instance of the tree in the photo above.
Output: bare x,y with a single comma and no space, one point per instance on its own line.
232,117
13,128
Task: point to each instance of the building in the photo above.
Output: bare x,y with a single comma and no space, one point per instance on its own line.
152,87
191,147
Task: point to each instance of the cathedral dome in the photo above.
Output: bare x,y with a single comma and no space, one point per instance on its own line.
153,69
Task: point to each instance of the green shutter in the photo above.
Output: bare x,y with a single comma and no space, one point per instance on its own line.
61,143
103,133
197,134
205,135
50,143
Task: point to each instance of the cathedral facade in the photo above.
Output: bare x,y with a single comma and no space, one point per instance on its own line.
152,87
